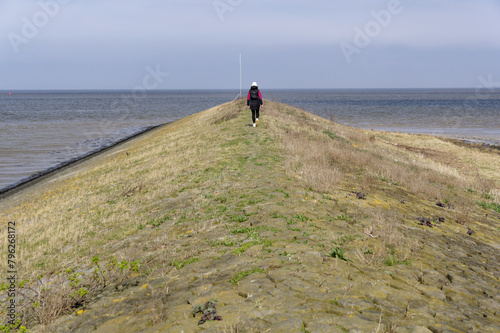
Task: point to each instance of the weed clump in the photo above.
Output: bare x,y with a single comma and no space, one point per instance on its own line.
338,253
208,312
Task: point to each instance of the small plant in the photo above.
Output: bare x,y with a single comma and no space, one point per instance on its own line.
13,327
301,218
487,196
222,199
247,245
346,239
284,193
223,242
158,222
134,266
238,218
391,248
247,230
338,253
367,251
304,329
331,134
391,260
255,201
345,217
208,312
276,215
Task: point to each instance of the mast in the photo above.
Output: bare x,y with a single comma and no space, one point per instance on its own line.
240,74
240,95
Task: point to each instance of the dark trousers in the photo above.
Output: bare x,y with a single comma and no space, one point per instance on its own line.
255,114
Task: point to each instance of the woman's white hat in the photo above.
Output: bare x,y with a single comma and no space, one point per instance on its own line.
254,84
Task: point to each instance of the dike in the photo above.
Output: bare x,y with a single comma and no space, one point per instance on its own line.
298,225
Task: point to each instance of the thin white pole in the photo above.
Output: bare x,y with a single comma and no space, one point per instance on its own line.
240,74
240,95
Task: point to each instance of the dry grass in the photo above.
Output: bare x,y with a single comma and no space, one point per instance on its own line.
146,171
71,219
324,154
388,228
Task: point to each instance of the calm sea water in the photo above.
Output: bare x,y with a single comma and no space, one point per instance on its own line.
41,129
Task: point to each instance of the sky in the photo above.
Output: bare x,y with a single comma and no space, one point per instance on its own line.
284,44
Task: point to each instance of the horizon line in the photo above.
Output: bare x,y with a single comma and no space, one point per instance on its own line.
231,89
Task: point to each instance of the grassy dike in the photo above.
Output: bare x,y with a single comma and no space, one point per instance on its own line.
298,225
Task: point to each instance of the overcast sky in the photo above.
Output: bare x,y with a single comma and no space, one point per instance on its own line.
122,44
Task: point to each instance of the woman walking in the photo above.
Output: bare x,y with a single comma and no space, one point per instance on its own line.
254,102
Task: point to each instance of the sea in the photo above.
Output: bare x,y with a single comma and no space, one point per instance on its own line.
42,130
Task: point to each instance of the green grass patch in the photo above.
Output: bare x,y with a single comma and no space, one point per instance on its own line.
255,201
287,195
245,246
238,218
392,261
243,274
334,136
247,230
490,205
251,230
180,264
223,242
158,222
222,199
301,218
346,239
487,196
345,217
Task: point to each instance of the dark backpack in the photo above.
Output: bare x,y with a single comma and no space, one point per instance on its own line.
254,94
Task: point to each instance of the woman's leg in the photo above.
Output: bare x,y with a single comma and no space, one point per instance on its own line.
253,115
